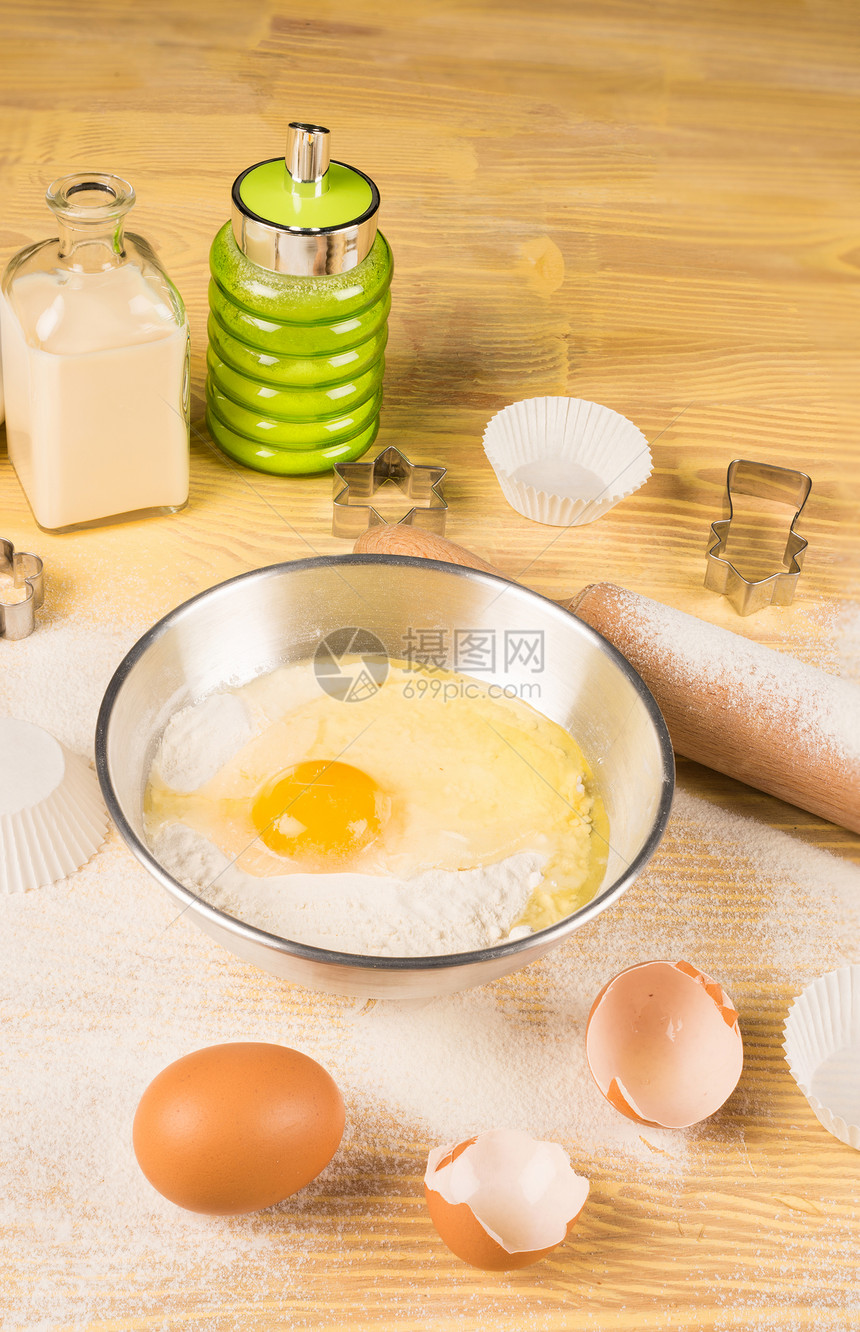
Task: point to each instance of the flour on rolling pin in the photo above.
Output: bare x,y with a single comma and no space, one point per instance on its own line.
737,706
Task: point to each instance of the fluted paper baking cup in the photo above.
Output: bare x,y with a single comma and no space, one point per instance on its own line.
822,1047
565,461
52,819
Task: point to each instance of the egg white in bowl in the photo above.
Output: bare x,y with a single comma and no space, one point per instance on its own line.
250,626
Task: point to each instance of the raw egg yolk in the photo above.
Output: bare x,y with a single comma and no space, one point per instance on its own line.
320,812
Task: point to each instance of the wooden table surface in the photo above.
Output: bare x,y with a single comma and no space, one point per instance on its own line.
650,205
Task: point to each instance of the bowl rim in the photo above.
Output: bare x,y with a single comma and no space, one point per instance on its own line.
543,939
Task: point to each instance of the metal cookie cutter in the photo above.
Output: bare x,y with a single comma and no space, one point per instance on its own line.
357,482
764,481
18,615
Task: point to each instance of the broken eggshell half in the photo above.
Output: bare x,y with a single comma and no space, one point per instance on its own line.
503,1199
663,1044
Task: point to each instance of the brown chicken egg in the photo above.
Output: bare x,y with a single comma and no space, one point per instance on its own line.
503,1199
236,1128
663,1044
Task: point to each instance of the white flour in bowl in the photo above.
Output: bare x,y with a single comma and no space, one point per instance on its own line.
438,912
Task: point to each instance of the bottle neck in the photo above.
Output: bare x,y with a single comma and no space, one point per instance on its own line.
91,248
90,209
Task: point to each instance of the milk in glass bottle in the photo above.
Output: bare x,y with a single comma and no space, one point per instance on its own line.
95,356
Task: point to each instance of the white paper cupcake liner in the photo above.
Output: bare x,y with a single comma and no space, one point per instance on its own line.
822,1047
565,461
52,819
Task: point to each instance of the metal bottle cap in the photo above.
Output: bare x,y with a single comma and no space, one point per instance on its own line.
304,214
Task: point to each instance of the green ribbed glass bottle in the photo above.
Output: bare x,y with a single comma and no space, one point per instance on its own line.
298,313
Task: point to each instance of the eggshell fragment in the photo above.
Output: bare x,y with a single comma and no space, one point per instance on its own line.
503,1199
663,1044
235,1128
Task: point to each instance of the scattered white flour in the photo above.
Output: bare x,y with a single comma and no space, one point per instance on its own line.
846,641
104,982
439,911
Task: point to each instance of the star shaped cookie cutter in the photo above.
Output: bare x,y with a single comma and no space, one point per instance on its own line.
764,481
357,482
18,604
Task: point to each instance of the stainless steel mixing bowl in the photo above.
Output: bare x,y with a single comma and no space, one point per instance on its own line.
258,621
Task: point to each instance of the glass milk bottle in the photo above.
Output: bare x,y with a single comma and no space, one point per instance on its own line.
95,356
299,303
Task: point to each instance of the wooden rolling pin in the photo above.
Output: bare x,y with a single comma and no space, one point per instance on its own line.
734,705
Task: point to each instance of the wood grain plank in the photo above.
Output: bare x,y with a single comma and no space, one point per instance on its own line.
653,206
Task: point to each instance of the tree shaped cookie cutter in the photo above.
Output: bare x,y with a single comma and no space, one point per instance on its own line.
764,481
357,482
18,604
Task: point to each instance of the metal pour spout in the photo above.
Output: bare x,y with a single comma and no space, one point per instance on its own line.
307,157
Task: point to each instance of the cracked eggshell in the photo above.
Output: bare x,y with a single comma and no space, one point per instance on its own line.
663,1044
502,1199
